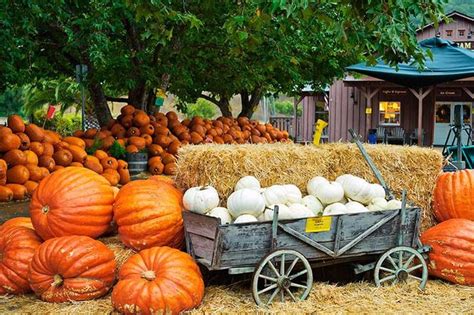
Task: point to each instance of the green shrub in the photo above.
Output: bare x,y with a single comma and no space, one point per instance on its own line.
286,108
202,108
63,124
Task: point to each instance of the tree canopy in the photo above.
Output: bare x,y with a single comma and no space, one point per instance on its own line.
200,49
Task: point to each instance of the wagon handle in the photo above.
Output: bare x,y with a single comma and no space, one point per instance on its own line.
403,211
274,228
372,166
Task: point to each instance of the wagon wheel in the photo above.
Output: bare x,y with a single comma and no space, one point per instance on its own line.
401,264
285,273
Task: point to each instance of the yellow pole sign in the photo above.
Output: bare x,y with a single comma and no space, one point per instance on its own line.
318,131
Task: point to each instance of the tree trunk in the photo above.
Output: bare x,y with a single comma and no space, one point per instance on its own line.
138,96
250,104
224,107
101,108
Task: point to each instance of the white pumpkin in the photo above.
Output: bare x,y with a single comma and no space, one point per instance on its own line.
245,201
314,184
343,200
341,179
335,209
330,193
221,213
245,218
249,182
357,189
313,204
284,212
293,194
267,215
355,207
377,204
300,211
377,191
201,199
393,204
275,194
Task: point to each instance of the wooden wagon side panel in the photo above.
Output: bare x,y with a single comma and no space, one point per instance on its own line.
201,233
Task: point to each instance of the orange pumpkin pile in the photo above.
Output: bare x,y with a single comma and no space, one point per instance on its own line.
163,134
29,153
69,210
452,240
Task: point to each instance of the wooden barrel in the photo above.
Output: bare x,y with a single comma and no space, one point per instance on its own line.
137,162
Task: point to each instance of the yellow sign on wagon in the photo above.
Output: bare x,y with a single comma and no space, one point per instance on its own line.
318,224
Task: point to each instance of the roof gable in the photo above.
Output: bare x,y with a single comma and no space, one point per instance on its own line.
453,15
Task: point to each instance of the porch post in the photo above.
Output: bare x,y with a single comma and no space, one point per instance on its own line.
420,96
368,94
295,115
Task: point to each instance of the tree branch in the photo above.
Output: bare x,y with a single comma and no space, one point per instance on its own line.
116,99
209,98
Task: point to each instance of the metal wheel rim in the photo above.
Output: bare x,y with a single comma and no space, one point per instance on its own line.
400,272
279,287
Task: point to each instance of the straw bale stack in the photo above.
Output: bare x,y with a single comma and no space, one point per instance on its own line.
221,166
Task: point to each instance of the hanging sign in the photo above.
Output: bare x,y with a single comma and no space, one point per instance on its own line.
160,97
318,131
50,112
368,110
448,92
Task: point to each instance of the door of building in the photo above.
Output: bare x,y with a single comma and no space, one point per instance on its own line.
444,116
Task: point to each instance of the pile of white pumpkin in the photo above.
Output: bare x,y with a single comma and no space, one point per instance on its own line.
251,203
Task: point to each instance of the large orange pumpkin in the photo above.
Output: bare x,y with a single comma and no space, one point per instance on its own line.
454,195
18,221
148,213
72,201
72,268
451,256
17,247
159,280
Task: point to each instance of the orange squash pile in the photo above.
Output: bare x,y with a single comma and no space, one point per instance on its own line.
29,153
452,240
163,134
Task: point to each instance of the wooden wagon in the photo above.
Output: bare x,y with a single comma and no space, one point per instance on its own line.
281,254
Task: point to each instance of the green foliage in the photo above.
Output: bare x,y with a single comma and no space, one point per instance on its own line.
287,108
63,124
94,147
11,102
62,91
202,108
117,150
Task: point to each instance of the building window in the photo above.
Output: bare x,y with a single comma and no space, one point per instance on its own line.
461,33
449,33
389,113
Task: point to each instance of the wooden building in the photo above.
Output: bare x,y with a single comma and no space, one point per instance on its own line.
368,103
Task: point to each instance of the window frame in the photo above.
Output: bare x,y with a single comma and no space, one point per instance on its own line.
385,124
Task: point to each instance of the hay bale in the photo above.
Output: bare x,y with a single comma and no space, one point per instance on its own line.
221,166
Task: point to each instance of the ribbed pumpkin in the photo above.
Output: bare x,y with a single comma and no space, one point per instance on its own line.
79,155
37,148
18,221
148,213
6,194
30,187
453,195
72,268
14,157
139,142
34,132
24,141
93,164
63,157
47,161
16,124
140,119
51,137
36,174
3,172
72,201
31,157
452,256
18,174
19,191
9,141
112,176
109,162
124,176
101,154
48,149
75,141
17,247
155,166
159,280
